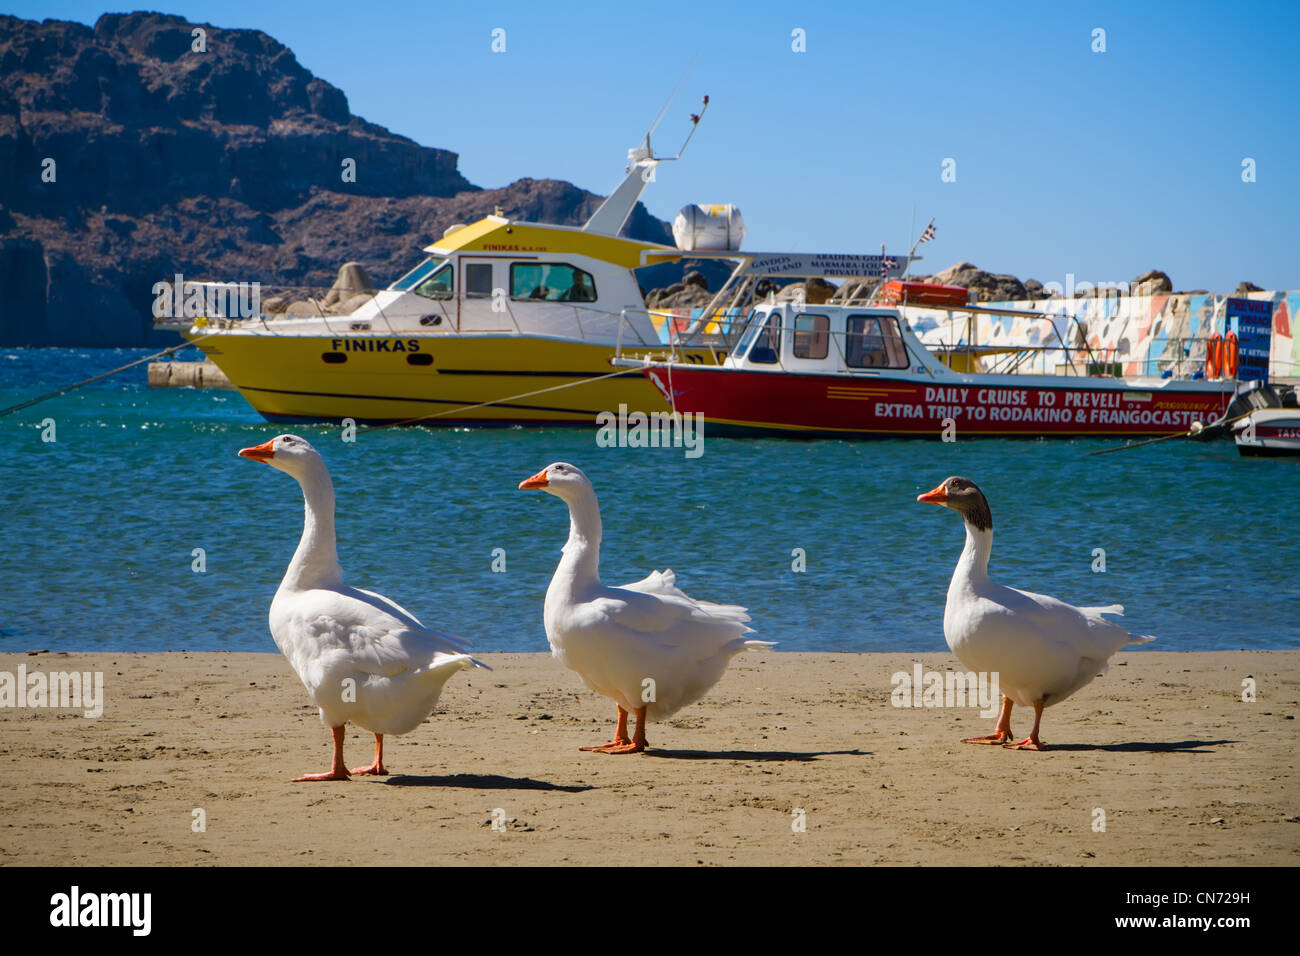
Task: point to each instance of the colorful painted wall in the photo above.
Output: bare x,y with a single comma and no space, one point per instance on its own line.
1145,335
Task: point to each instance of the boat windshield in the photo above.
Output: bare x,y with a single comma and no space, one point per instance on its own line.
432,279
767,348
755,323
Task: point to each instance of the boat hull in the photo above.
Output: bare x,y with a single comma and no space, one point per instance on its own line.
464,379
740,402
1276,434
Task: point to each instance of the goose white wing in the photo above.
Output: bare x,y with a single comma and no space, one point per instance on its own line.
667,612
657,582
401,613
339,630
621,638
664,584
1039,646
1082,629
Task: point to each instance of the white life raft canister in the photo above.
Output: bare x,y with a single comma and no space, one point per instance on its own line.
709,228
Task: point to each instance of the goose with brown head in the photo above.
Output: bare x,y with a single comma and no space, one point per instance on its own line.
1040,649
964,497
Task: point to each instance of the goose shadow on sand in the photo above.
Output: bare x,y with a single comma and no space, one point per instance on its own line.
756,755
1146,747
480,781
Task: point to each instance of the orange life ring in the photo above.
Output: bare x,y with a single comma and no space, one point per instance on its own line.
1214,356
1231,353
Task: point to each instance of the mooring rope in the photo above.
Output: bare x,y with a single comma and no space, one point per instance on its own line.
76,385
1186,434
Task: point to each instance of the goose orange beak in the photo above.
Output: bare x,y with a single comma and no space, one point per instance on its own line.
935,497
262,452
537,481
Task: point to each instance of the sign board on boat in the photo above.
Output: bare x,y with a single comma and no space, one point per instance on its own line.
1252,320
833,265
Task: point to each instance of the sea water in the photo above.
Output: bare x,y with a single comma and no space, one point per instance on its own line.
138,527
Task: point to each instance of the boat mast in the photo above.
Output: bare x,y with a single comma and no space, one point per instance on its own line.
613,213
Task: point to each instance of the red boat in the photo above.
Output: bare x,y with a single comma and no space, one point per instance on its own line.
851,367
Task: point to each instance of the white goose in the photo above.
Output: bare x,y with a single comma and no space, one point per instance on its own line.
361,657
1042,649
646,646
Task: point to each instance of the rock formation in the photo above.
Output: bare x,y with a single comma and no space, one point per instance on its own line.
127,156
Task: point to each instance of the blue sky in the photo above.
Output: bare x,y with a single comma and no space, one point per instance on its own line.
1100,164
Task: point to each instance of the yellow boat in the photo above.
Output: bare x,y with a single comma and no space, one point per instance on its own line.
505,322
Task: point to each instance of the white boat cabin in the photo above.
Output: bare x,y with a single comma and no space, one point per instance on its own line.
792,337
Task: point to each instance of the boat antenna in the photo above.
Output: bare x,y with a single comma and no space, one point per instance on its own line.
613,213
695,124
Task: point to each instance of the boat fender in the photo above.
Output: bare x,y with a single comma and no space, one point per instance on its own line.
1214,356
1231,352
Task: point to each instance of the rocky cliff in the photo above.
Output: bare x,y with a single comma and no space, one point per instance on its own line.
139,148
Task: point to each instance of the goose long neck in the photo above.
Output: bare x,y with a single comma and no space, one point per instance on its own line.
316,562
581,559
973,565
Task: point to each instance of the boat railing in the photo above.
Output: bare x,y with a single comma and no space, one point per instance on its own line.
1173,357
673,342
1181,357
224,306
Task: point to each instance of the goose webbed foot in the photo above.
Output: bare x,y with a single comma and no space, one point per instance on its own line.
631,747
337,771
603,748
621,739
997,737
339,774
634,746
1002,732
1031,742
376,769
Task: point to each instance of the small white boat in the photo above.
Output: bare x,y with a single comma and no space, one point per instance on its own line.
1269,431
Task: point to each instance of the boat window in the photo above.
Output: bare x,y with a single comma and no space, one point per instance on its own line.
438,285
753,323
551,282
478,279
768,345
873,341
421,271
811,336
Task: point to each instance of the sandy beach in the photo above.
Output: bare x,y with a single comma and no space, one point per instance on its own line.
1184,771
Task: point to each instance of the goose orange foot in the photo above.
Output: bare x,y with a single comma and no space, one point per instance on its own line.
638,742
330,775
631,747
1001,732
622,744
1031,742
602,748
376,769
1003,737
621,739
337,771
